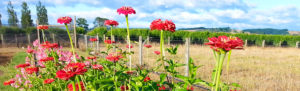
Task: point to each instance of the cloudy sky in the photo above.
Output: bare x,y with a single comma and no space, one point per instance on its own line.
237,14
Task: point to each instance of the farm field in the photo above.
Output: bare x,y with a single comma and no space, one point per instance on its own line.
254,68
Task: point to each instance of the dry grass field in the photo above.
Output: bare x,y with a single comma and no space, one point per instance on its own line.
254,68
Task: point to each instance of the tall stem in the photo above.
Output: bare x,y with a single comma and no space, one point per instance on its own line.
79,85
43,35
222,57
162,47
111,33
128,40
217,58
71,42
73,84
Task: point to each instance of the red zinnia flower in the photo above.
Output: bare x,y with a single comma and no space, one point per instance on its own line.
64,75
11,81
64,20
157,52
126,10
93,39
97,67
46,59
225,43
71,70
127,46
147,78
92,58
114,57
48,81
166,25
189,88
162,88
43,27
123,88
31,70
148,46
47,44
129,72
70,87
109,41
29,50
22,65
111,23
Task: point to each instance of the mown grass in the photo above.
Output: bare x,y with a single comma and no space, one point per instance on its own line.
9,70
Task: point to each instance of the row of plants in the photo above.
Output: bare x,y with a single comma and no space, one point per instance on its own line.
200,37
48,67
33,30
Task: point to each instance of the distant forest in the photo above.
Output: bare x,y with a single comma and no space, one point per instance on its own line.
268,31
253,31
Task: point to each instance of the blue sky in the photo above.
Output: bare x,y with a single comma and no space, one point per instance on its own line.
237,14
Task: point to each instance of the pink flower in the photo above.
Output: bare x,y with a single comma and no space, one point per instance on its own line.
126,10
157,52
36,43
111,23
64,20
87,63
29,50
166,25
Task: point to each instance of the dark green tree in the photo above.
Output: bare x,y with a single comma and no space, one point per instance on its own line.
26,20
82,22
42,14
99,22
12,15
0,20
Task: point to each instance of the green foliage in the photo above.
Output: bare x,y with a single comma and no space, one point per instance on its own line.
82,22
12,15
80,30
42,14
26,20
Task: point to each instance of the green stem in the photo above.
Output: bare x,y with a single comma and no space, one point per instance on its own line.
115,82
217,58
78,81
111,33
128,39
222,56
73,84
162,46
43,35
227,65
71,42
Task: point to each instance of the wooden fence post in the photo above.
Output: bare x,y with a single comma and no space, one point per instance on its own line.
246,43
97,43
29,40
187,55
53,38
263,43
38,31
86,42
2,40
279,45
297,44
141,50
148,40
169,40
16,38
